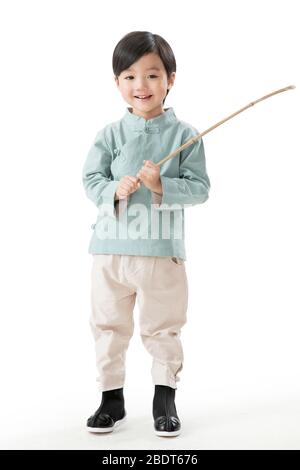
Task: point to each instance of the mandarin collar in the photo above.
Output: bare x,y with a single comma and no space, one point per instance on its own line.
154,125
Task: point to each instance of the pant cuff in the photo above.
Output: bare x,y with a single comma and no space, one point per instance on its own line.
162,375
104,386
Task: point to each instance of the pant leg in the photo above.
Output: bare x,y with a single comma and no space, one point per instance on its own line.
111,319
162,297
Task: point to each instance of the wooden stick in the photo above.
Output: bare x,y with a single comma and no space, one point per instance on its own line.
198,136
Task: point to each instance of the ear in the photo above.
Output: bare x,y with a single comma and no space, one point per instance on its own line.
171,80
116,80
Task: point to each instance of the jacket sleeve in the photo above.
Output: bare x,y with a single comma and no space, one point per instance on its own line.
193,185
96,175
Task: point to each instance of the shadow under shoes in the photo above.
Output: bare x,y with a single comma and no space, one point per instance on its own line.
111,412
166,421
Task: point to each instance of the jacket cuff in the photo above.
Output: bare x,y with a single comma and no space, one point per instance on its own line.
111,204
169,199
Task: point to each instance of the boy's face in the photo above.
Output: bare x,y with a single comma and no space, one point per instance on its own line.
145,77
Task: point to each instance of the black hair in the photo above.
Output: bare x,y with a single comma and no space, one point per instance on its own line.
136,44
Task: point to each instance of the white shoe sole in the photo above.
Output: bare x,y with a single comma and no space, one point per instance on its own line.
110,429
168,434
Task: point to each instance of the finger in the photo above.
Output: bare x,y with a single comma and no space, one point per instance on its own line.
126,180
124,187
136,188
150,163
150,169
132,178
133,188
128,184
133,181
141,174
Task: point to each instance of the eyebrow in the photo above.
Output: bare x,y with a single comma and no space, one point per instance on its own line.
150,68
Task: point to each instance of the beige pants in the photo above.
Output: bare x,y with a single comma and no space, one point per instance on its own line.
161,288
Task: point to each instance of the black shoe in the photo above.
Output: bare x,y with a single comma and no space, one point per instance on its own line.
110,414
166,421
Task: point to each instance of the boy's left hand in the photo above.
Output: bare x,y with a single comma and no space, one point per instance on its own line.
149,174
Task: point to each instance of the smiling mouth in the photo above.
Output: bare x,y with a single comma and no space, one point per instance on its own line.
144,98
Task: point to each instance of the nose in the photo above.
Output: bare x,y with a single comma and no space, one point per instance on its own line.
140,85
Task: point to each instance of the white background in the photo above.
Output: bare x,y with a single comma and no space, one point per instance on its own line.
240,384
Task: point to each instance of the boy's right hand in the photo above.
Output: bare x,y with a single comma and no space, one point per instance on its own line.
126,186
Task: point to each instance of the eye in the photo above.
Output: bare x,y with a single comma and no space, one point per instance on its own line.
130,76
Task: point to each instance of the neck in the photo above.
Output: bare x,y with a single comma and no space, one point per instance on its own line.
148,115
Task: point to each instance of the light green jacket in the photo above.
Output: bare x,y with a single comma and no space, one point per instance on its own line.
144,224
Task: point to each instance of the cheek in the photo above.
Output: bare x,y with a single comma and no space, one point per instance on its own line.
160,87
126,89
